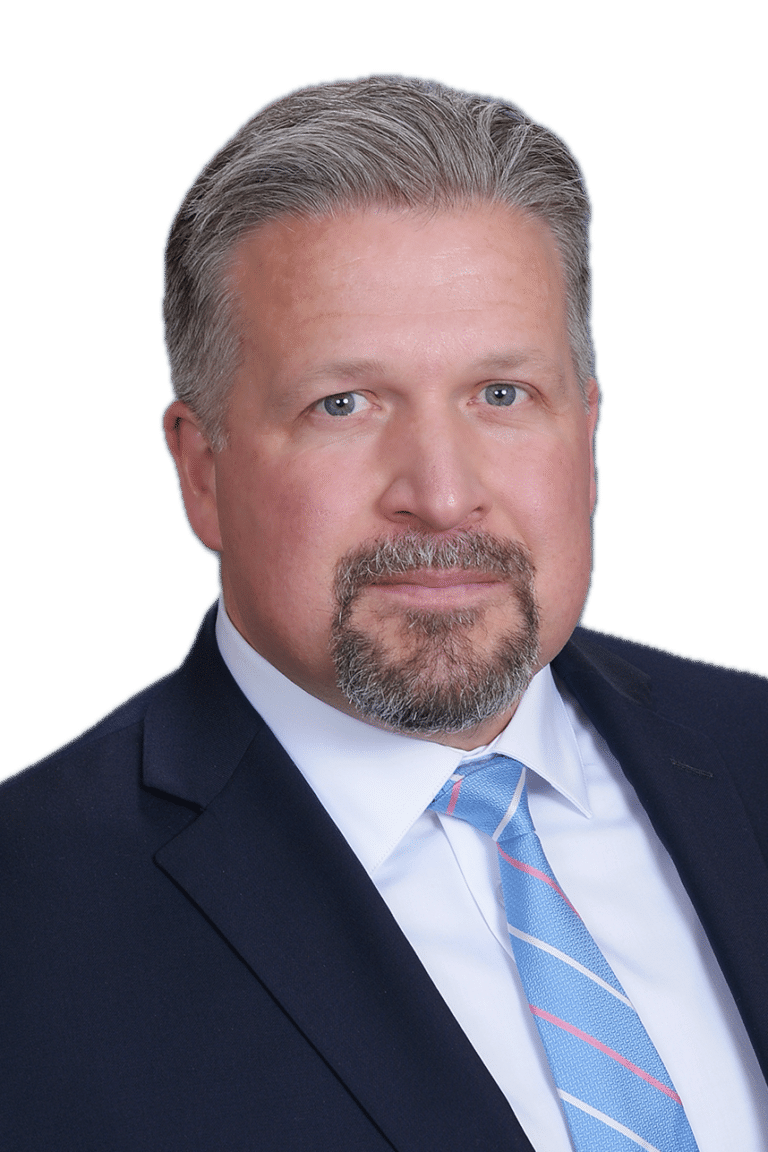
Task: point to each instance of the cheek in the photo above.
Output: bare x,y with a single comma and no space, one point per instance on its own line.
554,509
287,523
565,578
552,491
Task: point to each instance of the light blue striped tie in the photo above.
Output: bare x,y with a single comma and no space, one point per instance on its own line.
615,1090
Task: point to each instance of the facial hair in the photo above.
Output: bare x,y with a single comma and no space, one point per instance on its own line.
440,681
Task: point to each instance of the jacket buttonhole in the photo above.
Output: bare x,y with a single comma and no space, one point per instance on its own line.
690,768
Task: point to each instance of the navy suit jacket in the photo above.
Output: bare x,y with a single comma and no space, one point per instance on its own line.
192,958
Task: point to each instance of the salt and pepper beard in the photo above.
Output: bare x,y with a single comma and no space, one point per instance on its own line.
441,683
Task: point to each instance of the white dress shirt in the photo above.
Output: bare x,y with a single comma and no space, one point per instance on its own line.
439,876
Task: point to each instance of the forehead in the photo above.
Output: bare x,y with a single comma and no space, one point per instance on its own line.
390,282
363,248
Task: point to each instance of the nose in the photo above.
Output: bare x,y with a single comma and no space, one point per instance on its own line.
435,468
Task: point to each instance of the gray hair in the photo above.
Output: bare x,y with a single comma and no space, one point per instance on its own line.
384,140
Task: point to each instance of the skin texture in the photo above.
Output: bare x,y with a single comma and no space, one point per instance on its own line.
413,318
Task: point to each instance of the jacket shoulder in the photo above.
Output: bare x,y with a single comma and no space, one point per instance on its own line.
127,718
123,728
728,707
180,737
677,682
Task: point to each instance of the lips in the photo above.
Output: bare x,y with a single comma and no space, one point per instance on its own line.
437,578
456,572
435,590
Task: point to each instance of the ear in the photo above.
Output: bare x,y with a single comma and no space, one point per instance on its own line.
196,465
593,406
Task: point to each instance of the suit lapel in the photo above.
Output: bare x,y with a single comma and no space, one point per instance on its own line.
269,868
685,787
265,863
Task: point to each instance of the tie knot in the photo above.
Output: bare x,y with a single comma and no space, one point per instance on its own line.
491,795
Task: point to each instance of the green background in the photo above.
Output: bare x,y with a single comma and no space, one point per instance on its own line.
109,112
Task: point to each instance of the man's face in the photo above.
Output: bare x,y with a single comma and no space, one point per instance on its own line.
408,448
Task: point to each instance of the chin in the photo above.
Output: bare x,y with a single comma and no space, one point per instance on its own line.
441,679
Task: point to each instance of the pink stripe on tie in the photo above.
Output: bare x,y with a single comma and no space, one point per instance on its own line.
607,1051
539,876
454,797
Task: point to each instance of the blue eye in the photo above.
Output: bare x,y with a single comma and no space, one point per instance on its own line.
501,395
341,404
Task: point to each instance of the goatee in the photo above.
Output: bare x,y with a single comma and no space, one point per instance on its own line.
441,680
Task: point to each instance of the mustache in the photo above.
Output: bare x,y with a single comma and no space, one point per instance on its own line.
470,551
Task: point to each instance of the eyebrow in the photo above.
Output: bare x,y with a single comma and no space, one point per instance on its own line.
511,361
347,370
503,364
334,372
495,362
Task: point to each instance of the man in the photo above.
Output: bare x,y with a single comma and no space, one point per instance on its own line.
252,909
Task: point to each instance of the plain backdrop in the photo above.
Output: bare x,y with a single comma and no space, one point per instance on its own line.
112,110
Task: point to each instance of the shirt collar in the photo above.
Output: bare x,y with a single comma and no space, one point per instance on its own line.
375,784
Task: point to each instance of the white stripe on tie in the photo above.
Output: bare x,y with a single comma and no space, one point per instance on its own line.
607,1120
513,805
566,959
